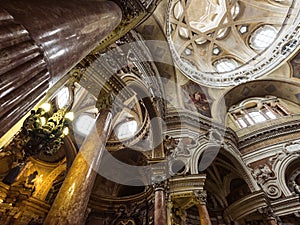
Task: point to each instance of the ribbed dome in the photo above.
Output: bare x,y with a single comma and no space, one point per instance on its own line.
220,43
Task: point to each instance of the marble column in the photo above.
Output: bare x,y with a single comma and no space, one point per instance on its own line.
40,41
71,202
269,215
204,216
272,221
160,209
169,211
203,212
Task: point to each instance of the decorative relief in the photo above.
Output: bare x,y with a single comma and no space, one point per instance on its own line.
272,189
267,180
262,173
268,213
179,154
170,144
128,215
105,100
272,175
77,73
215,136
200,48
295,187
287,180
159,183
201,197
126,222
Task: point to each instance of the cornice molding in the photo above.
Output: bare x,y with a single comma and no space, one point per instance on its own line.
270,132
109,203
246,205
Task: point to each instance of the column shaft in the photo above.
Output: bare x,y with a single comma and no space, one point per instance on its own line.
71,202
160,208
272,221
66,30
203,214
40,41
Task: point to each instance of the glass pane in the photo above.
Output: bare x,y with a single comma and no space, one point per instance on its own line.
242,123
225,65
263,37
127,129
257,117
62,97
249,120
84,124
271,115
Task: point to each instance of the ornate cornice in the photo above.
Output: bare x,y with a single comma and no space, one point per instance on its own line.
105,100
269,132
108,203
246,205
182,119
185,186
286,206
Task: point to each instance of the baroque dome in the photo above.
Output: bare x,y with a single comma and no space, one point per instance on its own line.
221,43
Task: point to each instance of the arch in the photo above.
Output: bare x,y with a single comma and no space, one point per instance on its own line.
144,95
232,153
280,167
238,189
227,182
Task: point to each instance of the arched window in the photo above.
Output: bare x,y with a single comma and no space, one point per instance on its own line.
62,97
84,124
126,129
257,110
226,64
262,37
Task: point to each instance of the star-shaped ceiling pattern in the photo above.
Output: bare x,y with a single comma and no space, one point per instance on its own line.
226,42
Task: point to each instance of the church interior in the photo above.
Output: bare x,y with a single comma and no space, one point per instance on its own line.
150,112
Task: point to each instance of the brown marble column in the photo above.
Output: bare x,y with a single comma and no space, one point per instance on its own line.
71,202
203,213
40,41
160,210
204,216
269,215
272,221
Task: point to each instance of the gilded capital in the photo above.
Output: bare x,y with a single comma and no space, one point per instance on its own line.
105,100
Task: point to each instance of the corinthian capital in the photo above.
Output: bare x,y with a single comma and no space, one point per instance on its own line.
201,197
